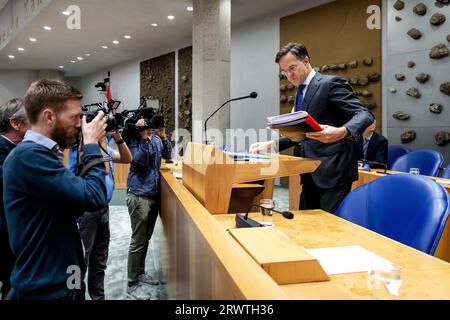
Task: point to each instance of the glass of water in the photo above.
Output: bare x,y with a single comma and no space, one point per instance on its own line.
266,210
384,280
414,170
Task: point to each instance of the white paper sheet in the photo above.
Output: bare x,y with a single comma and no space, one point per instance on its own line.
349,259
177,175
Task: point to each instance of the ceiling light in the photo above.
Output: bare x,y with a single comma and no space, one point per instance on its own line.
116,42
190,8
11,56
154,24
105,47
72,61
21,49
80,58
66,13
32,39
170,17
48,28
127,36
61,67
87,54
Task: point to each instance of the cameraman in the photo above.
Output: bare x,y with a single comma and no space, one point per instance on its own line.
42,198
147,148
94,225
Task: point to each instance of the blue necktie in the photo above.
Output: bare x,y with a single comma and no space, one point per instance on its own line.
299,99
365,145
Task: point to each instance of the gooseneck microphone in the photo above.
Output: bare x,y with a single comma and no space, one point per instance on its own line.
367,165
286,214
246,222
252,95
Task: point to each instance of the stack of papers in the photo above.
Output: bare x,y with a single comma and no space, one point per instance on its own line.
293,125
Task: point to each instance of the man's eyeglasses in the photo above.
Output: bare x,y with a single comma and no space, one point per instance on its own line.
290,70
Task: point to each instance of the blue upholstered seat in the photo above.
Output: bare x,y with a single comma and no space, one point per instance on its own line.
427,160
407,208
396,151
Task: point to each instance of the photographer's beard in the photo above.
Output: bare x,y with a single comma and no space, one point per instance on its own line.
64,136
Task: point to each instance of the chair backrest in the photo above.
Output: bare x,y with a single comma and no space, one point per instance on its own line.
407,208
446,172
427,160
396,151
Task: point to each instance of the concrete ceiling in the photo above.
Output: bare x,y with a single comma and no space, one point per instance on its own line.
103,21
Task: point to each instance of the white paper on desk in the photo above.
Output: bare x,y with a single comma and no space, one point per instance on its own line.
177,175
348,259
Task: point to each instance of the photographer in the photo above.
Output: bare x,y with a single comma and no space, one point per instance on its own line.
42,198
147,148
94,225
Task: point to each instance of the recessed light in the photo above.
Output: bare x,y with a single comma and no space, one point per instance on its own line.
66,13
48,28
190,8
11,56
80,58
154,24
61,67
72,61
127,36
32,39
87,54
170,17
105,47
116,42
21,49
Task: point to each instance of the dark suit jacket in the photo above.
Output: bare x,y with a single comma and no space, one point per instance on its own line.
330,100
377,150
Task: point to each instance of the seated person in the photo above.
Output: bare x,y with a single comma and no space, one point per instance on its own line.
372,147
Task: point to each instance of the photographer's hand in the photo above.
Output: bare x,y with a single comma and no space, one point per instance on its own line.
94,131
162,133
144,133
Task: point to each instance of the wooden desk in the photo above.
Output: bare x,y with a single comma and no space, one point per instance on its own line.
423,276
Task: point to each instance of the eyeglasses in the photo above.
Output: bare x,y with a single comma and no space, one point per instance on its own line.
290,70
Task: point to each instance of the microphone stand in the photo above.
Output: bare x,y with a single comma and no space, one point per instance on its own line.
246,222
252,95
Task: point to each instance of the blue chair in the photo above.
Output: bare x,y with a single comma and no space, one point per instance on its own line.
427,160
407,208
445,172
396,151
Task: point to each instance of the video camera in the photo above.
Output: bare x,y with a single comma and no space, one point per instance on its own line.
130,118
114,121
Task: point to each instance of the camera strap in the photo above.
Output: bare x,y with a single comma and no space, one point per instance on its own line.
84,168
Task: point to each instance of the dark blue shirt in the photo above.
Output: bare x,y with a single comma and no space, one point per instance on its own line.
42,200
144,176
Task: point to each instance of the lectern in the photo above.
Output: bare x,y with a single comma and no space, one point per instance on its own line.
211,175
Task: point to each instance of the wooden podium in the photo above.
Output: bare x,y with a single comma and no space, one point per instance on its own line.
211,175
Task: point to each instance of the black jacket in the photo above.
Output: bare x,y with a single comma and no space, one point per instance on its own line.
330,100
377,149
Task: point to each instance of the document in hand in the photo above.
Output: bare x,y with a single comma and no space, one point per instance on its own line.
293,125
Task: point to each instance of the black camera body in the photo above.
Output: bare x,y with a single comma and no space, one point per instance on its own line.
113,121
131,130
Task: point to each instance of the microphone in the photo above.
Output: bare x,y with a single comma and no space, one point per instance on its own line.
374,164
246,222
252,95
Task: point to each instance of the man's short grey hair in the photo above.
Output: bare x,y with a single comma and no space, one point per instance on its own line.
14,109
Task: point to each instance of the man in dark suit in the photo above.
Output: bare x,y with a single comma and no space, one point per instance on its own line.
372,146
13,125
330,100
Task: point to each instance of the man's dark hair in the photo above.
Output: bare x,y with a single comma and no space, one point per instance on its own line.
48,93
297,49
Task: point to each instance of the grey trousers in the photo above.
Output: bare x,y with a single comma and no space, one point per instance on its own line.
143,214
94,231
